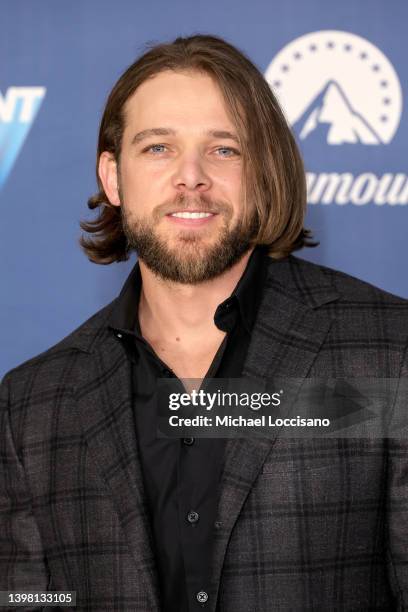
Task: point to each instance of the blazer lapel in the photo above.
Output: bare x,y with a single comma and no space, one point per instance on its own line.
286,339
104,399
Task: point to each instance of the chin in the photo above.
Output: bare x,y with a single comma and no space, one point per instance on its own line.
186,239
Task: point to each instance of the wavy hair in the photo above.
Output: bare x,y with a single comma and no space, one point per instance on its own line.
274,183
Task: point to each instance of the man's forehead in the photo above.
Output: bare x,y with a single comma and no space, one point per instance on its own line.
177,93
201,112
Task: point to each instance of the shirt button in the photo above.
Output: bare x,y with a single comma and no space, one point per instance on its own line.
193,517
202,596
119,335
188,441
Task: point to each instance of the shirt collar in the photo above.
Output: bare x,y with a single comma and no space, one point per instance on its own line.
244,300
248,291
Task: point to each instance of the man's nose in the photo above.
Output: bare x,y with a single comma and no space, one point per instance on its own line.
190,173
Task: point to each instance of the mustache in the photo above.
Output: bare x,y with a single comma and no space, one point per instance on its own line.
200,204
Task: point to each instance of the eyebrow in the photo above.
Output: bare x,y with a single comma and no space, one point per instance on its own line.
161,131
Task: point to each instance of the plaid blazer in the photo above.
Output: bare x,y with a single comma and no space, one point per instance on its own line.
303,525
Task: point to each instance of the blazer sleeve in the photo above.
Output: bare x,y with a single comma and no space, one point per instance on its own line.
22,560
397,493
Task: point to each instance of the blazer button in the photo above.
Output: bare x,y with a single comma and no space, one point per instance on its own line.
188,441
202,596
193,517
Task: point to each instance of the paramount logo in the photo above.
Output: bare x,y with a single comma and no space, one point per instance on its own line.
342,97
345,188
337,88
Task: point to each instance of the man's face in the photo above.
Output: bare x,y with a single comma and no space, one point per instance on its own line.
179,178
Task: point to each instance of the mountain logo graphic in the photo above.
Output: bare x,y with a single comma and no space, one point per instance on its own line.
338,88
18,109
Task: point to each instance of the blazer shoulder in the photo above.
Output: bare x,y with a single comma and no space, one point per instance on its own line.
309,277
57,357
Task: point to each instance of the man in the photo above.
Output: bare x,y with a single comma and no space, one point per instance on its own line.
199,174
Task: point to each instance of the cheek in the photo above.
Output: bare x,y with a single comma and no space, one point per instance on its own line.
230,180
135,186
142,178
234,193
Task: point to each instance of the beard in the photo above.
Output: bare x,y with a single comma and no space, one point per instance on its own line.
190,261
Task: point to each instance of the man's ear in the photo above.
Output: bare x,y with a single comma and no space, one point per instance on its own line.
108,173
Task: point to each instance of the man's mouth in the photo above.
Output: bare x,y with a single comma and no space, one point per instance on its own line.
191,215
191,218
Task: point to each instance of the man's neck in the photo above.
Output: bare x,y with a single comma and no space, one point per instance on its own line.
176,310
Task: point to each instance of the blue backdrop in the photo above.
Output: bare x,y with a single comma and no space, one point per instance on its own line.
338,68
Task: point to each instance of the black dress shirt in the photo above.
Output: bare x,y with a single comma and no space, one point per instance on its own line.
181,476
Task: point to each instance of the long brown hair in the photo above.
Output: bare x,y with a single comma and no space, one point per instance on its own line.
274,185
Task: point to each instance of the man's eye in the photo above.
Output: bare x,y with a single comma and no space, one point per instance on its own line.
155,148
229,150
